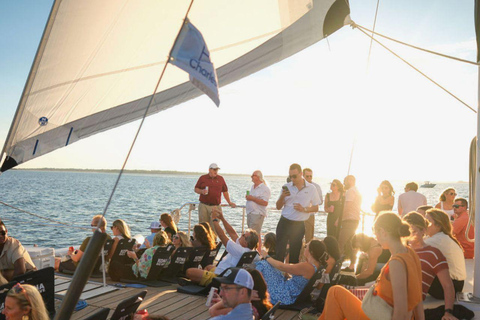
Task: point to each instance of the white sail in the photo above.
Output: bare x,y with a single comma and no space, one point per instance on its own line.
98,61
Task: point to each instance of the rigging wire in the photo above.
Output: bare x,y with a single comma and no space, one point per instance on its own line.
373,32
41,217
415,47
144,116
416,69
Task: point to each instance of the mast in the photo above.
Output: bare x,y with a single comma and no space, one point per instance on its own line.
476,272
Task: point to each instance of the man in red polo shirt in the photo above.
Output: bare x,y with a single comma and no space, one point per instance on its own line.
211,197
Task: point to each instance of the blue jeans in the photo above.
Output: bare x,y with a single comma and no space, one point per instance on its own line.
289,232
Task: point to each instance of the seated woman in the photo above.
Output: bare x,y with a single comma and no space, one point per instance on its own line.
287,291
260,298
270,243
167,222
120,231
331,244
24,301
385,198
446,201
209,229
399,283
372,259
440,236
202,238
434,264
180,240
142,265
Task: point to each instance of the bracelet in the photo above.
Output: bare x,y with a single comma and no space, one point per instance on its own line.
215,220
267,257
449,311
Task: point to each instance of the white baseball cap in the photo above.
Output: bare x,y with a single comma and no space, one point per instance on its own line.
238,276
155,225
214,166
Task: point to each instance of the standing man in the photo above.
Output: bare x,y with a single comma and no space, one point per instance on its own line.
257,202
210,188
351,214
310,222
298,199
411,199
459,227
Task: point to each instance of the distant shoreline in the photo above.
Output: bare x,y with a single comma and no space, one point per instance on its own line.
170,172
146,172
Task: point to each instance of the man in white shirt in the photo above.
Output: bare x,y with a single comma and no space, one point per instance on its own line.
298,199
310,222
411,199
236,247
257,202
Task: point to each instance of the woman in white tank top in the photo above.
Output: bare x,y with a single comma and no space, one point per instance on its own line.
447,200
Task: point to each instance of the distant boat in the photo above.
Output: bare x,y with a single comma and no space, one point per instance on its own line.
427,184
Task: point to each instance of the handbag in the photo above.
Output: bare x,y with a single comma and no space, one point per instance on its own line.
375,307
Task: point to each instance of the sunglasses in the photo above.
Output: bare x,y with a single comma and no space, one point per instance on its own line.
175,238
458,206
18,288
293,176
308,176
3,233
452,193
112,227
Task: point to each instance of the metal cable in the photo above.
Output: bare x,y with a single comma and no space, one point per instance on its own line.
413,67
373,32
144,116
415,47
41,217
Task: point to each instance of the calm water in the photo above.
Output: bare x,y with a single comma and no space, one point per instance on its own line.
74,197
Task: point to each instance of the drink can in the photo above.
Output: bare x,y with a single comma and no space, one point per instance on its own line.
143,313
206,189
213,290
248,192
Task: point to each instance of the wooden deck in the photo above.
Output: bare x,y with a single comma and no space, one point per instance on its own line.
164,301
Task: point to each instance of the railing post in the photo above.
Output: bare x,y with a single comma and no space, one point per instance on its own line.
190,208
243,220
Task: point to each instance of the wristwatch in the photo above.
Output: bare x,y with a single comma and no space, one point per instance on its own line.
449,311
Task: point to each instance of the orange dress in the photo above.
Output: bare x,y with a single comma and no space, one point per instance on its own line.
414,279
342,304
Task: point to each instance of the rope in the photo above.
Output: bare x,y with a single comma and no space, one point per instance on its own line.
371,40
143,118
415,47
41,217
413,67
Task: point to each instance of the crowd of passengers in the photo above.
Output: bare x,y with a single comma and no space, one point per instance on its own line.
414,253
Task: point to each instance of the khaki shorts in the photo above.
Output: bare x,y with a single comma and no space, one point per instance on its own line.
255,222
207,277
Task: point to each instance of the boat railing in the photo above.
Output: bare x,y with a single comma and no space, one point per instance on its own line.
192,206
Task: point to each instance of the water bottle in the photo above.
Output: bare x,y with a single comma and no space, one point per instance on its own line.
206,189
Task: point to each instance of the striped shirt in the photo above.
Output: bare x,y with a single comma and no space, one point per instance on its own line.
432,261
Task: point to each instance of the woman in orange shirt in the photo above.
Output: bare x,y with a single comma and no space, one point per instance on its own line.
399,283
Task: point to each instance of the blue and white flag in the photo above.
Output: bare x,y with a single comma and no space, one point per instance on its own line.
191,54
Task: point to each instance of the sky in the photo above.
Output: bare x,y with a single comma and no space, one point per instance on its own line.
313,108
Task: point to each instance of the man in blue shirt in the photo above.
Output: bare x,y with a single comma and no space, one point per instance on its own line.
236,287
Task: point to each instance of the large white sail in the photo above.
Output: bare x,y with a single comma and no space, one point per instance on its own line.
98,61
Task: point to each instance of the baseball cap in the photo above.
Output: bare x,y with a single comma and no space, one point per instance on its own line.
214,166
155,225
236,276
